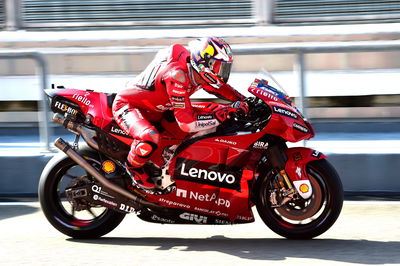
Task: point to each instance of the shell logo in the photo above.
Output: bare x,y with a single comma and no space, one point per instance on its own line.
304,188
108,166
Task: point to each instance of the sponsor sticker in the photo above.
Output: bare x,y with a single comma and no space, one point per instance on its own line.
264,92
118,131
218,175
105,201
65,108
316,154
300,128
162,107
197,218
179,105
260,145
226,141
212,197
205,117
284,111
162,219
82,98
179,92
178,98
201,124
126,208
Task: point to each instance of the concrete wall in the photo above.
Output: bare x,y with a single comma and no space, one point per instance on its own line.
360,173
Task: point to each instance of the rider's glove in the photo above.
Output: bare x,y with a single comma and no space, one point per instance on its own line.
222,114
242,108
237,108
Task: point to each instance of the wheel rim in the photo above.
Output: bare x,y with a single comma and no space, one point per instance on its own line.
66,213
302,213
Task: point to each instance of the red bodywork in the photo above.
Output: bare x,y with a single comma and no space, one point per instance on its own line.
213,174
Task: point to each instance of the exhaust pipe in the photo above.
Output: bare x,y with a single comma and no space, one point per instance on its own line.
67,149
87,134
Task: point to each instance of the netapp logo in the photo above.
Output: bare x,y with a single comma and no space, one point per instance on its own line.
284,111
206,173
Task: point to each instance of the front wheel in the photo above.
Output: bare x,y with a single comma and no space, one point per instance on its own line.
60,173
300,218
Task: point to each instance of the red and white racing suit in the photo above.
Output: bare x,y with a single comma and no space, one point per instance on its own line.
164,85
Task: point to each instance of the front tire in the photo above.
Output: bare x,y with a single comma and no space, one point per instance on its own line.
303,219
93,222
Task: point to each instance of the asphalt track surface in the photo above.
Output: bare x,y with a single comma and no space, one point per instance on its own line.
366,233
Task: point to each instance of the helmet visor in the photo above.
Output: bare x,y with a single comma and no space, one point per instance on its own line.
220,68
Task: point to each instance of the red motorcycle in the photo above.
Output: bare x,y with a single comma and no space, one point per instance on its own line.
208,178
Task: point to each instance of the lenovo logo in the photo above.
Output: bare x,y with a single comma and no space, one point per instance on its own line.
210,175
206,173
284,111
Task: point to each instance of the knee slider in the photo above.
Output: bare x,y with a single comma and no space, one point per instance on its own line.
145,149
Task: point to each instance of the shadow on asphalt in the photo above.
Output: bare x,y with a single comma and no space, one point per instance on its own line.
10,211
351,251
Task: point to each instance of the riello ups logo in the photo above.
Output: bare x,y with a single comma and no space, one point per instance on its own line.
218,175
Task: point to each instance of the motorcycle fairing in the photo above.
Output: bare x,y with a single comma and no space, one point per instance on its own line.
222,204
286,120
297,160
212,176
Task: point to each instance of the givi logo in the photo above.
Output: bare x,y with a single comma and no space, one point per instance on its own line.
200,219
218,175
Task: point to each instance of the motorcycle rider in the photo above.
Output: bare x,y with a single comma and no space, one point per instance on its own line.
166,84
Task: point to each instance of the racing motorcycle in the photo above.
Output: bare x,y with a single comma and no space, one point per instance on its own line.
209,178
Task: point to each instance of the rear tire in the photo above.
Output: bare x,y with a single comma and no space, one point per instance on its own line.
91,223
304,219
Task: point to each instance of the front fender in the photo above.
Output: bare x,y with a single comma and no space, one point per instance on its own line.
295,167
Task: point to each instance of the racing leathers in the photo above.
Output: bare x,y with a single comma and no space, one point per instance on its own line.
166,84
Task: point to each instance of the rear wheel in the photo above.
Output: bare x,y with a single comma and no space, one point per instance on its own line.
300,218
90,222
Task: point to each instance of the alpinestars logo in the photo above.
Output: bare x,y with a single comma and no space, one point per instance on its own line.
218,175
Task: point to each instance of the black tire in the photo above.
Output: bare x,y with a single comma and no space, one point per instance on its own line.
315,215
91,223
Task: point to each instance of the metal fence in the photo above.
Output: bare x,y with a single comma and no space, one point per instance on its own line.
44,130
2,14
299,49
70,14
300,11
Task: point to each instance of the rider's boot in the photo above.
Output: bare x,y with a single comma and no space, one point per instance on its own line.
149,177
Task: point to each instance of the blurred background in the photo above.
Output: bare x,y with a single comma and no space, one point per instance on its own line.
342,56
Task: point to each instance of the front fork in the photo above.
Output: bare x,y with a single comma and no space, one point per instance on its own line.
283,190
291,164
